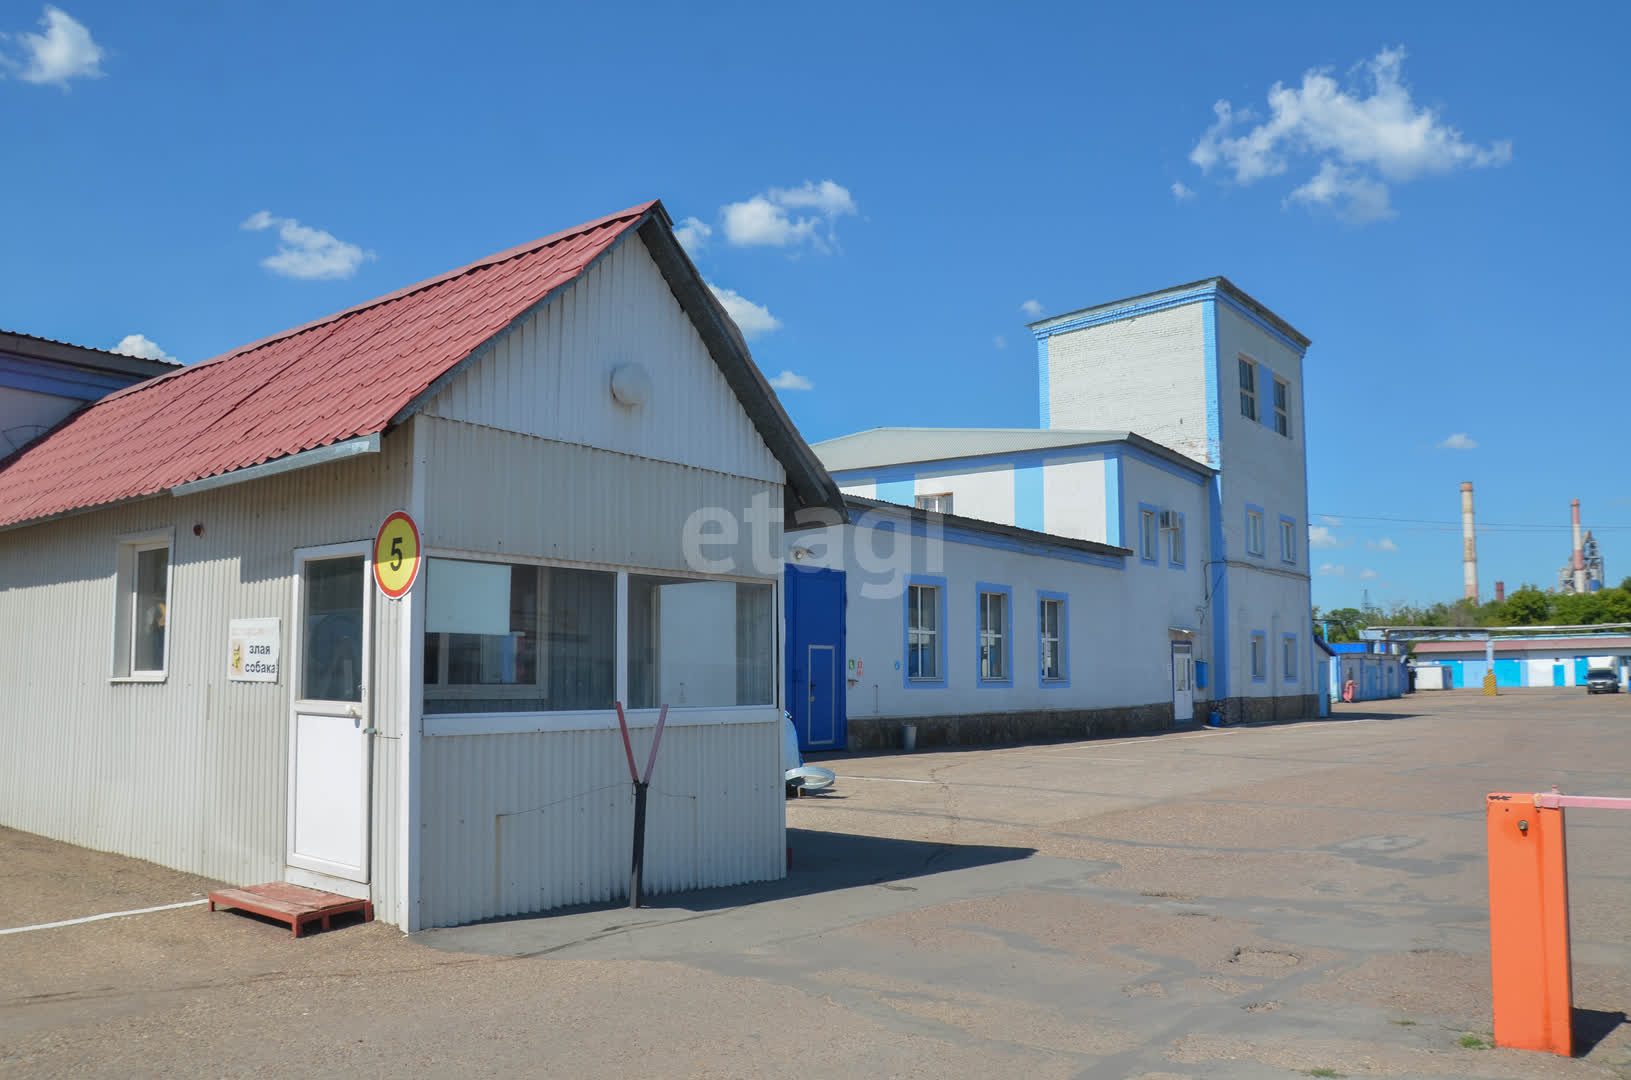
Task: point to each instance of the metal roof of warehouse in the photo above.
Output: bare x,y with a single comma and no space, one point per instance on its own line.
886,446
356,373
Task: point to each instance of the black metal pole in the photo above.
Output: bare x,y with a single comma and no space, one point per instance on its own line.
639,843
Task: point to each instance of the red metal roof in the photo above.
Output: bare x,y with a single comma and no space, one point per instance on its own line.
1605,645
338,378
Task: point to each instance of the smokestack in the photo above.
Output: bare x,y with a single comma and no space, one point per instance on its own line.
1469,546
1579,562
1500,592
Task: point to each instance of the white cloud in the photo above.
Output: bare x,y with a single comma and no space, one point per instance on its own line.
1320,536
1364,134
1366,575
141,345
1334,522
693,234
65,51
752,319
1354,196
999,342
307,253
788,217
1384,544
1458,441
1328,570
788,380
1033,308
1182,191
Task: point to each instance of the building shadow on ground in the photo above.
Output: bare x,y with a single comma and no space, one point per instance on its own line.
1592,1026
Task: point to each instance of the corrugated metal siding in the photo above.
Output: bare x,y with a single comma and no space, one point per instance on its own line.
551,376
499,492
192,772
524,823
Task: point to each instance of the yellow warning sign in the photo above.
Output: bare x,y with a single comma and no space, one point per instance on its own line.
396,555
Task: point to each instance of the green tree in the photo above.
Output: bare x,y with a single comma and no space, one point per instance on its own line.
1343,624
1526,606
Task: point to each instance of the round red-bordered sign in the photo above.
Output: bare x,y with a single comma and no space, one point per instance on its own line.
396,555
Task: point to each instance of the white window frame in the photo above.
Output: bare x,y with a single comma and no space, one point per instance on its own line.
997,643
1175,543
1260,656
1149,535
124,605
1248,389
1254,523
1288,541
930,638
934,504
511,723
1060,639
1282,406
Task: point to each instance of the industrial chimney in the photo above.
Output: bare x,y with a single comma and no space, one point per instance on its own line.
1469,546
1579,562
1500,592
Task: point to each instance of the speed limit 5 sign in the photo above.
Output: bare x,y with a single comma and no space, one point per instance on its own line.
396,555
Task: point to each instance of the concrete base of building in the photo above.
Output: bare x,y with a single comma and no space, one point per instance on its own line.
992,728
1059,725
1265,710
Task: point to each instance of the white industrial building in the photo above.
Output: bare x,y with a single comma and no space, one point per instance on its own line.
1159,513
201,671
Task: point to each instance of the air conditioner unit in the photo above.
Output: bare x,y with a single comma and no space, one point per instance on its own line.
1170,520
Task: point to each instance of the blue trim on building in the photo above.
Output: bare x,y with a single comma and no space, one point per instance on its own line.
906,633
1028,502
900,492
1183,544
1260,635
1042,379
1210,294
1155,512
1006,680
1114,514
59,380
1017,460
962,534
1063,681
1287,520
1218,568
1289,676
1246,522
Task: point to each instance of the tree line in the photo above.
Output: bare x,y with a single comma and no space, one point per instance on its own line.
1526,606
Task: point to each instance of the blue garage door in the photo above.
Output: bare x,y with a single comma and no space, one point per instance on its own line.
1580,665
1508,673
816,675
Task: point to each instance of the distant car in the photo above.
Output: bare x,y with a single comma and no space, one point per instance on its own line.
1602,680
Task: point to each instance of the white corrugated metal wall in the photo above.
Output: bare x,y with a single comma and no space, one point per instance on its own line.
529,457
191,772
523,823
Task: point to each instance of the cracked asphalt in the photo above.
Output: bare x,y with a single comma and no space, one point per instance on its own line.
1276,901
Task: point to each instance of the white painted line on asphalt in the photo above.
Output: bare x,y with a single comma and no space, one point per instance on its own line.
889,779
1154,740
99,918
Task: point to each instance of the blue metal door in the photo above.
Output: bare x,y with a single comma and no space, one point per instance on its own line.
1508,673
816,670
1558,675
822,695
1580,666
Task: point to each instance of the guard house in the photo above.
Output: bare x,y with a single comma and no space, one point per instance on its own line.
203,668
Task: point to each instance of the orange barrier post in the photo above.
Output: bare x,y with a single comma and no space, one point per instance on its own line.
1529,924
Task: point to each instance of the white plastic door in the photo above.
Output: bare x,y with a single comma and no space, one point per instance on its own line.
329,728
1183,684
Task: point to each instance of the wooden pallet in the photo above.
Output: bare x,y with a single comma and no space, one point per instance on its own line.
292,904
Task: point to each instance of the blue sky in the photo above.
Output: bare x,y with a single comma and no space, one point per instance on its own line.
1468,280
